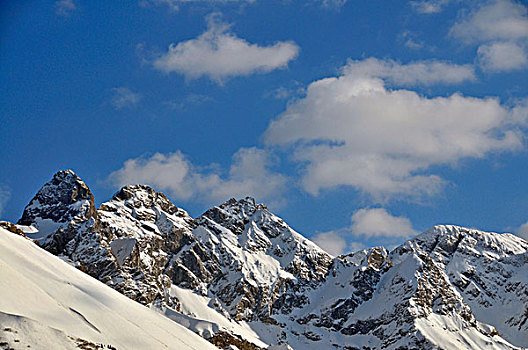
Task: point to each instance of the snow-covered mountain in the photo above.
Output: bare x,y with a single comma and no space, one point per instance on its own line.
239,275
47,304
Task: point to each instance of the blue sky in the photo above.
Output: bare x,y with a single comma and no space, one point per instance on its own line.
359,122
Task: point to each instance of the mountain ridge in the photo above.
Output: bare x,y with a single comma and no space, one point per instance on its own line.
255,277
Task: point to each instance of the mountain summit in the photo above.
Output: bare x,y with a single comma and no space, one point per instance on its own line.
239,275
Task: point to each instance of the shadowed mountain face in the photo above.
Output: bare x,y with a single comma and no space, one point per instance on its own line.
240,270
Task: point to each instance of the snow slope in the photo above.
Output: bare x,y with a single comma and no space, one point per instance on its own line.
48,304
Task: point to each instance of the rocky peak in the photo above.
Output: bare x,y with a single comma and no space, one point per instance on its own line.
66,197
232,214
144,196
447,240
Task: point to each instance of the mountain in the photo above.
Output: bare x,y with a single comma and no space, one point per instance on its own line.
47,304
239,275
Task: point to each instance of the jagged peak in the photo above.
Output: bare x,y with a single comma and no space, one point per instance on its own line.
62,198
139,195
451,238
130,191
235,214
245,206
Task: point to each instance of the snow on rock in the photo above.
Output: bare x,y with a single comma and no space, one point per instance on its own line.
122,248
64,200
47,304
240,276
489,270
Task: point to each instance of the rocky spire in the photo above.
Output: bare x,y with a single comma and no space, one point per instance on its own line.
66,197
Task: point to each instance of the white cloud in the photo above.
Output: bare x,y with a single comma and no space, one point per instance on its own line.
364,224
495,20
378,222
353,131
249,174
502,56
220,54
125,98
428,7
355,246
522,231
414,73
331,242
5,194
64,7
501,27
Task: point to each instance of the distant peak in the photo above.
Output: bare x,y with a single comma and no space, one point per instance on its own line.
449,239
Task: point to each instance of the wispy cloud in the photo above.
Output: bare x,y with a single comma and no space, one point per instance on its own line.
174,5
294,90
415,73
125,98
5,195
65,7
410,41
429,6
522,231
189,101
219,54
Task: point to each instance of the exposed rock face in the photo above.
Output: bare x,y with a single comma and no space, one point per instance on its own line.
248,268
63,199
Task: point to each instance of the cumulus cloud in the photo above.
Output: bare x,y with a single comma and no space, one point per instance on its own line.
378,222
64,7
220,54
249,174
501,28
415,73
364,224
331,242
353,131
428,7
502,56
125,98
495,20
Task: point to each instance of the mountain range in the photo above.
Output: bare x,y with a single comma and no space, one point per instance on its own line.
240,277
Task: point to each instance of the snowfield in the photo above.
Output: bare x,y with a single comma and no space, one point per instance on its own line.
47,304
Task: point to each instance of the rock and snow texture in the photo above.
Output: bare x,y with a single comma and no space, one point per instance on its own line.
63,201
47,304
239,271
